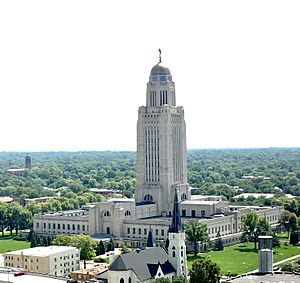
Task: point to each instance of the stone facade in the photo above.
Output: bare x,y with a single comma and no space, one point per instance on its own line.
161,144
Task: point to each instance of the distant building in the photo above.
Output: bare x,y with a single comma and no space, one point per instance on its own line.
105,191
258,195
52,260
17,171
28,164
41,199
6,199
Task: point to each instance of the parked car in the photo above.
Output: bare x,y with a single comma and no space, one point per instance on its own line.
19,273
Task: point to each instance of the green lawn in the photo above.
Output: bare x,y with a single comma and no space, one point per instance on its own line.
8,244
242,258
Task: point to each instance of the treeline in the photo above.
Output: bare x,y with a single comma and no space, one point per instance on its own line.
225,172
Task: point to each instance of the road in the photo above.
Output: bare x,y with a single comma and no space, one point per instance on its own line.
5,277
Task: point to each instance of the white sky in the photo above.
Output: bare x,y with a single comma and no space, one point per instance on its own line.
73,73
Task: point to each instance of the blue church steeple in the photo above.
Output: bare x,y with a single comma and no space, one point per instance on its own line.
176,219
150,239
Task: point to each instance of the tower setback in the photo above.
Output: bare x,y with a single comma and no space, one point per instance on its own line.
161,144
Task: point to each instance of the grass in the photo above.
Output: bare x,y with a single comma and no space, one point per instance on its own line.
8,244
242,258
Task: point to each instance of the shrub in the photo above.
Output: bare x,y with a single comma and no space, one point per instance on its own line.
101,260
19,238
287,267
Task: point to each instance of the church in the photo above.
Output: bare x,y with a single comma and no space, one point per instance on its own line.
161,171
154,262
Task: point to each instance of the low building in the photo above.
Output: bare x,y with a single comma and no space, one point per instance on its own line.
40,199
52,260
63,222
6,199
258,195
88,273
17,171
105,192
130,222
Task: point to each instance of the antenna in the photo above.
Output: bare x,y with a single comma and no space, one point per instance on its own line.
159,50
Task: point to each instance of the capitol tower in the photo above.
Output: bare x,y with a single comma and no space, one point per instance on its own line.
161,144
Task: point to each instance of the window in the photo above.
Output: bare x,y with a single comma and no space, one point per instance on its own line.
128,230
183,212
140,231
156,232
83,227
64,226
37,225
162,232
68,226
58,226
44,225
73,226
133,230
202,213
193,213
122,280
49,225
107,230
148,198
78,227
183,197
127,213
106,213
53,225
173,254
145,231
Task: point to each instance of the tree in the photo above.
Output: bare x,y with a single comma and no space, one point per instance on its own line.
84,243
18,217
254,226
100,249
218,246
62,240
275,242
125,249
33,240
180,279
110,245
205,271
288,220
3,217
294,238
196,232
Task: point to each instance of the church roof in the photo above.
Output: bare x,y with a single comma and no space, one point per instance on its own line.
166,268
160,69
144,263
